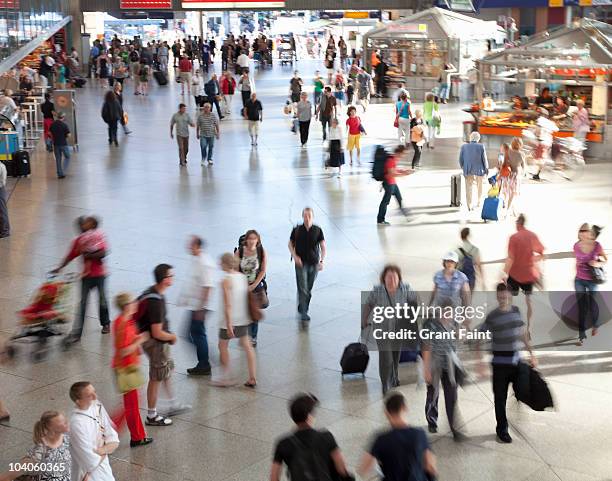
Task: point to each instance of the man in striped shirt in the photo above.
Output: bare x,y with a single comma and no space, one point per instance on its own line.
207,128
508,338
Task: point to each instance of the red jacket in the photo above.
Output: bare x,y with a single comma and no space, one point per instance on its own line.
185,65
228,87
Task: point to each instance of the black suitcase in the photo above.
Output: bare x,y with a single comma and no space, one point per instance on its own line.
160,77
79,82
355,359
10,167
456,190
21,159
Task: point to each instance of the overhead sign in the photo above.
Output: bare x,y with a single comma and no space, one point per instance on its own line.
407,27
357,15
555,3
145,4
217,5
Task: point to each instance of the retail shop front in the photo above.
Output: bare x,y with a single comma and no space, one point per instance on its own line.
417,49
574,63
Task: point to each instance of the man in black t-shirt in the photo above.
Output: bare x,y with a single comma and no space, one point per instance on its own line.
403,453
59,133
308,250
151,318
253,112
308,453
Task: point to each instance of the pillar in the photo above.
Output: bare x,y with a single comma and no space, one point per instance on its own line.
541,19
75,29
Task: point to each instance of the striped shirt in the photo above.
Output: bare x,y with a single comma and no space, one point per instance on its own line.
208,124
449,289
507,331
440,348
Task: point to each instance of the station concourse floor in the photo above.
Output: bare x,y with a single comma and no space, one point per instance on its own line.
149,206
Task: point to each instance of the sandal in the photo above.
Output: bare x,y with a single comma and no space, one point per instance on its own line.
251,384
158,421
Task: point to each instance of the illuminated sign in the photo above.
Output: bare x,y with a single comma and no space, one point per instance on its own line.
145,4
356,14
217,4
407,27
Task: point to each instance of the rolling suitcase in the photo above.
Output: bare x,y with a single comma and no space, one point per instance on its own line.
355,359
490,208
160,77
456,190
10,167
21,159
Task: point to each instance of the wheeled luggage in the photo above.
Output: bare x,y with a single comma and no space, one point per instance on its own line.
456,190
160,77
21,159
490,208
355,359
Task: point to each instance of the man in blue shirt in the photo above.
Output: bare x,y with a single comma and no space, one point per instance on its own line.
473,161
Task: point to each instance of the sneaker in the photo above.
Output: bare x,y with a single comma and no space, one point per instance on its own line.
504,438
105,329
128,132
304,317
202,164
142,442
254,342
384,222
158,420
432,428
210,162
199,371
178,409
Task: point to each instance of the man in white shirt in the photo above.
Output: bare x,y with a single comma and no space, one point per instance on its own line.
195,296
242,61
6,100
92,436
5,229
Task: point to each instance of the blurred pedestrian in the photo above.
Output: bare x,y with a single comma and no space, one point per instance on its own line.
473,161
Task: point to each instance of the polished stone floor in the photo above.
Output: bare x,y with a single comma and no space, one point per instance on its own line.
149,206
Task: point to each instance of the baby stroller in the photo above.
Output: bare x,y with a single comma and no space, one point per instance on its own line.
48,316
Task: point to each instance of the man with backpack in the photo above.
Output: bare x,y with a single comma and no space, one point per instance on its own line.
385,170
469,259
310,454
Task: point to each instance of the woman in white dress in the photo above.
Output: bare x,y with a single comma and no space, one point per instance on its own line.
234,321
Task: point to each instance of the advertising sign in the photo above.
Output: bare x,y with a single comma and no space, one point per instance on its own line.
145,4
218,5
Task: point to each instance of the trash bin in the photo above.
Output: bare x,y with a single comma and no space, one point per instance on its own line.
469,126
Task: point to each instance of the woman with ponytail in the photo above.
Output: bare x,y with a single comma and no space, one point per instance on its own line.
49,459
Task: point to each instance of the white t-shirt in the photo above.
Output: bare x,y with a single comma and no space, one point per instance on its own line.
238,299
242,60
89,430
200,275
335,133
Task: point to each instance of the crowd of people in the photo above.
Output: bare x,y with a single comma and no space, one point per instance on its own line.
82,444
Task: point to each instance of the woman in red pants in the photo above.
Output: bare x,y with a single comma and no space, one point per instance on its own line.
127,343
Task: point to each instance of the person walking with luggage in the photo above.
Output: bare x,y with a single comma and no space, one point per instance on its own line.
118,90
185,69
234,322
5,227
403,452
246,87
308,250
469,260
390,292
525,251
228,89
473,161
305,444
93,275
152,319
111,114
417,138
195,295
431,116
60,132
126,361
92,435
508,338
326,110
589,256
162,55
403,115
213,92
355,129
304,116
252,262
441,365
253,112
390,184
207,129
183,121
450,283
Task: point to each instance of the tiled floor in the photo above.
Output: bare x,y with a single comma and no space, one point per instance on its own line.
149,206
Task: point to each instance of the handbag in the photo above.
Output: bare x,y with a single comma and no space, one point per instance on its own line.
261,293
255,312
598,274
128,378
396,122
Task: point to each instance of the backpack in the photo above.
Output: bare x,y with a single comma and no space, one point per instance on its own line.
467,267
308,462
378,166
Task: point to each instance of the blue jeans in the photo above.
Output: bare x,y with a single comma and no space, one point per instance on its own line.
305,277
60,166
87,284
390,190
197,335
325,123
206,146
585,294
253,330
